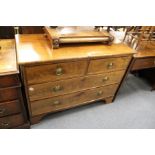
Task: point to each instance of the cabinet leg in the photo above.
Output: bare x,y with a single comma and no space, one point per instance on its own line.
109,100
36,119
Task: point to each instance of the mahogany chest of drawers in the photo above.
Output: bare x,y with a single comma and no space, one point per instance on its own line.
12,110
58,79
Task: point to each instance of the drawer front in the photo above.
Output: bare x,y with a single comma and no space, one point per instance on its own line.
9,108
9,94
47,90
52,72
11,121
71,100
9,81
144,63
108,64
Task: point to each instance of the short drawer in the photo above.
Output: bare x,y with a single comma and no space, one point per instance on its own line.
9,94
108,64
11,121
72,100
52,72
51,89
9,81
143,63
9,108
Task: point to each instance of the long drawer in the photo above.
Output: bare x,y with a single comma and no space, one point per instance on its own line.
11,121
51,89
52,72
9,81
72,100
9,94
143,63
108,64
9,108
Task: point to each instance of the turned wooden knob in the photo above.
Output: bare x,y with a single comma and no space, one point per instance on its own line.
5,124
110,65
59,71
56,102
57,88
31,89
99,92
105,79
2,110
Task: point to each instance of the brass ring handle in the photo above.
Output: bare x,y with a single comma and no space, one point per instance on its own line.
57,88
56,102
105,78
5,124
99,92
2,110
59,71
110,65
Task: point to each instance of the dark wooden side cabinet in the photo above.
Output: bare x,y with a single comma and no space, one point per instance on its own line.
144,64
12,110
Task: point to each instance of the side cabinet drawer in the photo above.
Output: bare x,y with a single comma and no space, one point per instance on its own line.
9,81
108,64
9,108
9,94
72,100
52,72
51,89
11,121
144,63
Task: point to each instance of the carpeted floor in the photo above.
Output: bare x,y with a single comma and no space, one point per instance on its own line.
134,108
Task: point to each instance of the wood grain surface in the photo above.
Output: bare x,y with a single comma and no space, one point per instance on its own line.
8,63
37,49
51,89
72,100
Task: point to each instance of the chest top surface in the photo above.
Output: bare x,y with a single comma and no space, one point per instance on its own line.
8,63
37,48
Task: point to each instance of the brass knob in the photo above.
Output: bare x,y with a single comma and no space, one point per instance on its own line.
110,65
5,124
99,92
59,71
57,88
56,102
2,110
105,78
